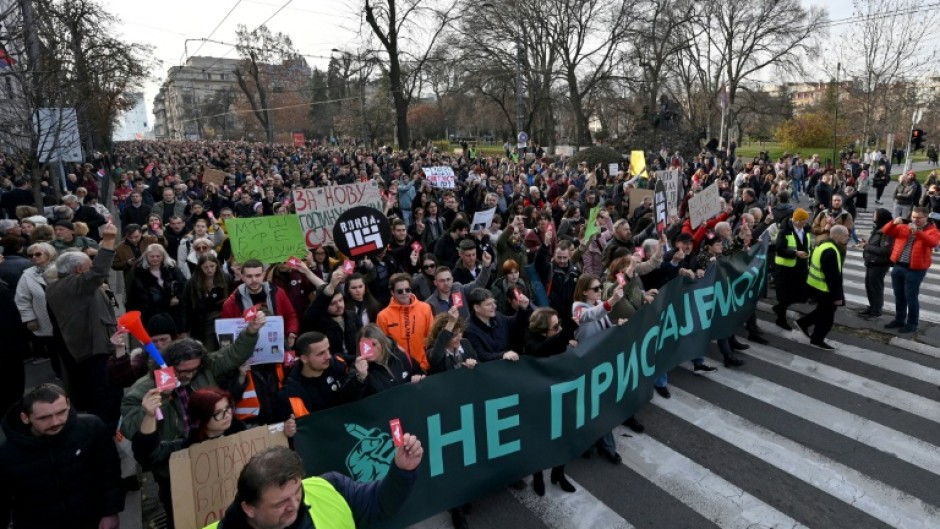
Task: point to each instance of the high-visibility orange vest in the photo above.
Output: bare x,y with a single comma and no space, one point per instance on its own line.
250,407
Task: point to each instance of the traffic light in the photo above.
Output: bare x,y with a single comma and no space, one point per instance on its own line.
917,139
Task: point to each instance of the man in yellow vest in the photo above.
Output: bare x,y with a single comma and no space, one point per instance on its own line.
793,246
273,494
825,286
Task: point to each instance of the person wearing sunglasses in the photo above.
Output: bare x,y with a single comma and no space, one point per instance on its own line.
407,320
547,337
210,412
31,299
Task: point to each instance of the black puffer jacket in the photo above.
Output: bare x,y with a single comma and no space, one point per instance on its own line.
67,481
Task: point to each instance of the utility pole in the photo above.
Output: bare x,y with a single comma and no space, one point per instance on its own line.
520,99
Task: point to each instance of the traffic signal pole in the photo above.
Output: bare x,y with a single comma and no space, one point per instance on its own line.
910,137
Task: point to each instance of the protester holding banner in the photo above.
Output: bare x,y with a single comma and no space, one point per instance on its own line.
590,314
407,320
712,248
447,348
547,337
319,380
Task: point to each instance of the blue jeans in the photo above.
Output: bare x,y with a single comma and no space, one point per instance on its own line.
906,285
796,185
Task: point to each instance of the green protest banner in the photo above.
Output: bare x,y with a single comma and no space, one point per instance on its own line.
270,239
591,226
487,427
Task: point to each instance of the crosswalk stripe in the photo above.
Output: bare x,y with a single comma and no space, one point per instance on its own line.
849,273
874,358
889,395
925,315
893,507
576,510
880,437
708,494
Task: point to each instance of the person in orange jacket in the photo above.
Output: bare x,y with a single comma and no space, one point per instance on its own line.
407,320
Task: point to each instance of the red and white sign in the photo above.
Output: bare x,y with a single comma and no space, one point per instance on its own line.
294,263
251,312
621,280
367,348
416,246
319,208
165,379
442,177
398,436
457,299
349,266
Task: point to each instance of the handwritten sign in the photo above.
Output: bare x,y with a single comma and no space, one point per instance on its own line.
271,239
660,209
319,208
203,477
213,176
591,227
442,177
672,180
705,204
270,346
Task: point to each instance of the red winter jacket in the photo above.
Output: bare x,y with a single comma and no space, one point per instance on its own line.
232,308
926,240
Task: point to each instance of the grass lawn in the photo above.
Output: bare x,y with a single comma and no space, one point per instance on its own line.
776,150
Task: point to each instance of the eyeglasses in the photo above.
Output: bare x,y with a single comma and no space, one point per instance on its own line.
403,291
430,265
188,372
200,248
36,254
221,414
594,288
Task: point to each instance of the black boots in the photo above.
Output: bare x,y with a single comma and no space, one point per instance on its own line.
538,482
559,478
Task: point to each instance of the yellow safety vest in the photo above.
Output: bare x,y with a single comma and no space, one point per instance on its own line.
328,508
790,262
816,278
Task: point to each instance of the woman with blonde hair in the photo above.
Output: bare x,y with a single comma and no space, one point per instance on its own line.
157,287
389,366
31,300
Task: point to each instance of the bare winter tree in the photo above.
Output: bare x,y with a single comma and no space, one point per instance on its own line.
881,55
588,37
261,49
408,31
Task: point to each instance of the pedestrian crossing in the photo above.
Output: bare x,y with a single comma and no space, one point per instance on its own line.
854,279
796,438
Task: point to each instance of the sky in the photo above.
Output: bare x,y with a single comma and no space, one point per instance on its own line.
315,26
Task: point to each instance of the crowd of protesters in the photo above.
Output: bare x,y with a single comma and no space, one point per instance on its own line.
529,284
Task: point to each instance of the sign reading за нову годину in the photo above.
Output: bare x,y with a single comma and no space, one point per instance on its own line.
487,427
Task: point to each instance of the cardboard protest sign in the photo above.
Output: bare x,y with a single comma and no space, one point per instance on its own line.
299,139
705,204
203,477
270,239
636,198
638,164
213,176
673,182
270,346
442,176
318,208
659,207
361,232
613,169
482,220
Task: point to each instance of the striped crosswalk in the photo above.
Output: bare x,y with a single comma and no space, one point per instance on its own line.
796,438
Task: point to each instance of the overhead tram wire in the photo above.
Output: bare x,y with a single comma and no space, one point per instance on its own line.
876,16
307,104
217,26
287,3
